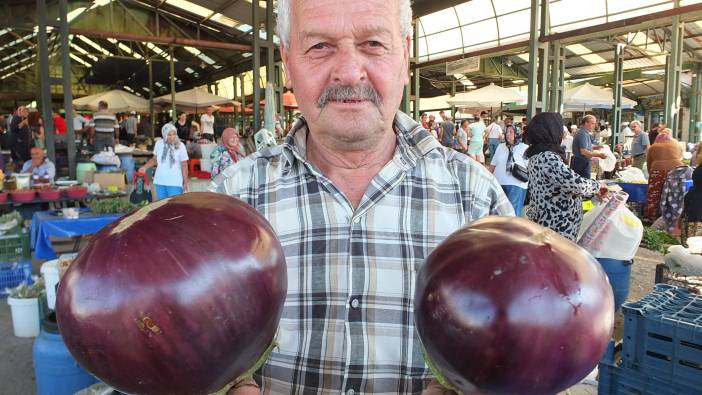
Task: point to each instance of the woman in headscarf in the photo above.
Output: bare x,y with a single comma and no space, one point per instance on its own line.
691,218
171,160
227,153
662,157
507,154
555,190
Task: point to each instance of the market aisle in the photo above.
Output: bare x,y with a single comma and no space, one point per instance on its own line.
16,369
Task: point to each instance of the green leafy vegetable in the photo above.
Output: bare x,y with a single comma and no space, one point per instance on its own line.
657,240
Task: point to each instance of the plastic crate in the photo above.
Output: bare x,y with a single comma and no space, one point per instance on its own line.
615,379
13,274
663,335
14,246
665,276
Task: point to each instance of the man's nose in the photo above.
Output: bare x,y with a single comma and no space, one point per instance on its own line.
349,69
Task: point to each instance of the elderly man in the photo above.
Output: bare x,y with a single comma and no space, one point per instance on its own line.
359,194
583,148
639,145
40,165
106,127
207,121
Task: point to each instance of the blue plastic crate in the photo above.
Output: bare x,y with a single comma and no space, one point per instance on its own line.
615,379
663,335
13,274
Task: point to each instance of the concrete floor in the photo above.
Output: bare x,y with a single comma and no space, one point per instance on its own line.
17,371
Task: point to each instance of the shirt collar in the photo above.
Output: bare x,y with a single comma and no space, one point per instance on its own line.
413,142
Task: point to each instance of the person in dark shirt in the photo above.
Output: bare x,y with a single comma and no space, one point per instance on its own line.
20,140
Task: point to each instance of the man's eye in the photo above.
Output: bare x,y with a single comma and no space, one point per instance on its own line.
319,46
375,44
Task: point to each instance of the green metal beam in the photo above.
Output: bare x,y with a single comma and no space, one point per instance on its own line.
533,60
674,69
617,92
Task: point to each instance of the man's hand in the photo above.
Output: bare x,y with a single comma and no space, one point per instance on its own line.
248,387
435,388
602,155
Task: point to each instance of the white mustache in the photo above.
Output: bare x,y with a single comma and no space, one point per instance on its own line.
341,93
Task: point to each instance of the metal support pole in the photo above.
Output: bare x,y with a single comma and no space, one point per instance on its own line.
243,103
556,86
533,58
256,105
561,80
173,92
417,71
674,69
617,92
270,51
45,81
151,95
405,104
696,105
544,59
67,89
453,93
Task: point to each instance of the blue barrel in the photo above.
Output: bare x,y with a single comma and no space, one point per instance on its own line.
128,165
57,372
619,274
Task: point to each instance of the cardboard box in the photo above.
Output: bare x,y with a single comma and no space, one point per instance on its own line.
106,179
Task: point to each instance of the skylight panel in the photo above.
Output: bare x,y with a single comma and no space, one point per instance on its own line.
79,60
95,45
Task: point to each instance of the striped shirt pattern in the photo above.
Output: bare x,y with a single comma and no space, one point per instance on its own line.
104,122
348,325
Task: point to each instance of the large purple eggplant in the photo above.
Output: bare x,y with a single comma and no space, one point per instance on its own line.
179,297
509,307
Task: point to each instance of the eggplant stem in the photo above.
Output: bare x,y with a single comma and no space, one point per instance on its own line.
438,375
249,373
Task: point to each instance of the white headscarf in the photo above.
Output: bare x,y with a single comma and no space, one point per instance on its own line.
169,149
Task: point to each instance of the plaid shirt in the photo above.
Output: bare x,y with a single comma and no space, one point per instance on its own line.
348,325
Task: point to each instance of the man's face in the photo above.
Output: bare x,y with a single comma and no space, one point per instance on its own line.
590,124
24,113
210,110
636,128
37,155
351,44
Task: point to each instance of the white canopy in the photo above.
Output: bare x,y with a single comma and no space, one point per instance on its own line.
194,98
117,101
590,96
491,96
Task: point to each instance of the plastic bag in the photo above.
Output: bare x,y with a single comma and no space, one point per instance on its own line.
107,157
681,261
611,230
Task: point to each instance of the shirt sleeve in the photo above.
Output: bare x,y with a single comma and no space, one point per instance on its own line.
25,166
645,141
499,155
50,169
182,153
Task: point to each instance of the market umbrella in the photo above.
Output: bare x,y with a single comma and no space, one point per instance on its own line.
289,101
590,96
194,98
117,101
489,96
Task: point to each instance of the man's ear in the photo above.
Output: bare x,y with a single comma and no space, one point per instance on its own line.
285,57
406,50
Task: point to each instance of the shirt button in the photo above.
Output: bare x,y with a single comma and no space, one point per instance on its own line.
354,304
350,392
357,220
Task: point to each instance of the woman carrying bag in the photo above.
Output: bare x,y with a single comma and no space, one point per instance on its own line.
510,169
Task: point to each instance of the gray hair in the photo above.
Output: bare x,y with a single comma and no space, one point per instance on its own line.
285,11
634,122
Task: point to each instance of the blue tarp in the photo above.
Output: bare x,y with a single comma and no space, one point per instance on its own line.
47,223
637,192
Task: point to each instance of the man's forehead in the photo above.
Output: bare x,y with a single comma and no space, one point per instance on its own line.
312,17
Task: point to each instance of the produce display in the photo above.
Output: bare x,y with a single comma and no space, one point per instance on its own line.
179,297
509,307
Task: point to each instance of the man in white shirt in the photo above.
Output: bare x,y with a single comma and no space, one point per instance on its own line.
79,122
207,124
494,132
